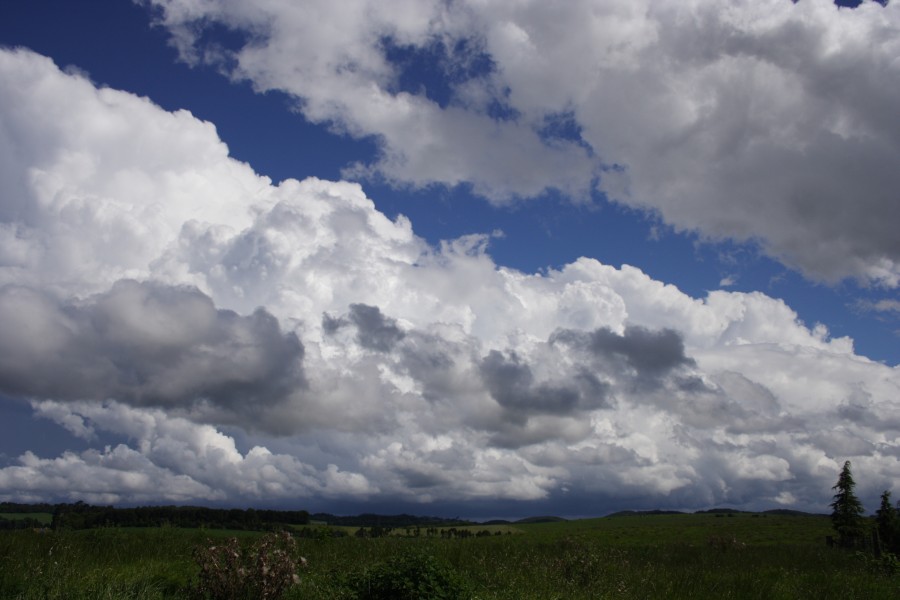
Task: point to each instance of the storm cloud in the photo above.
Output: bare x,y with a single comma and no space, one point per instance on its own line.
646,355
373,330
145,344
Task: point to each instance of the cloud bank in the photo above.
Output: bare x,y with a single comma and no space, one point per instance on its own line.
764,121
241,341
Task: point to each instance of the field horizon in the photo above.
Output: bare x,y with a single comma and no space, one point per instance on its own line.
638,555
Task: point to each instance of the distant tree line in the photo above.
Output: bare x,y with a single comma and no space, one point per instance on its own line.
81,515
416,531
17,508
26,523
387,521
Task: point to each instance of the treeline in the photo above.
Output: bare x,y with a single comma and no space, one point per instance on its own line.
80,515
23,509
416,531
85,516
387,521
15,507
24,523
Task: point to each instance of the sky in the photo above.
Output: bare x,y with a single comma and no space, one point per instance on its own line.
460,258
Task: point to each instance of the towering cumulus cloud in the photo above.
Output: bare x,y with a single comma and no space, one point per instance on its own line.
765,120
210,335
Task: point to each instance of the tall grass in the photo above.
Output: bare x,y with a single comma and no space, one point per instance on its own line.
103,563
629,557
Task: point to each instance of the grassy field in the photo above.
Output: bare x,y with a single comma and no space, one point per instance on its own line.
45,518
658,556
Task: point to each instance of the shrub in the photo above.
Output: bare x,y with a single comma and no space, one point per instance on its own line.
262,572
410,576
886,564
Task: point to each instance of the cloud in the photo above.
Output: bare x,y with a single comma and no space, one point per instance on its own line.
168,459
97,183
887,310
510,383
769,122
881,306
648,353
240,340
374,331
111,476
145,344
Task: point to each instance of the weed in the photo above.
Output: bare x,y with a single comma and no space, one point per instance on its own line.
262,572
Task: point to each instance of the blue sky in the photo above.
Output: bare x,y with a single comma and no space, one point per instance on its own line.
611,169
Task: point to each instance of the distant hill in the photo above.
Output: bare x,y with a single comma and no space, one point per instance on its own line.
784,512
792,513
540,520
717,511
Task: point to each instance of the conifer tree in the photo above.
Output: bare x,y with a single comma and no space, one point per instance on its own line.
847,510
888,524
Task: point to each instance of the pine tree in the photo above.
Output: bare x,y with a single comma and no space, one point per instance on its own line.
847,510
888,524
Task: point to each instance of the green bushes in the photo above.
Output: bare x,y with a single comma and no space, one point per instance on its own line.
409,576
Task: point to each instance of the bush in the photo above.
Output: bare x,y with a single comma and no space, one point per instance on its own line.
411,576
262,572
886,564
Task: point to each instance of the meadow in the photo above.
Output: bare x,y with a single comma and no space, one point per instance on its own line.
649,556
43,517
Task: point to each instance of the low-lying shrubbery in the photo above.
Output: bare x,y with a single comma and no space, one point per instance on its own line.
409,576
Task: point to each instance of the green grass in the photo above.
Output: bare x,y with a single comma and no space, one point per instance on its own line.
45,518
659,556
751,529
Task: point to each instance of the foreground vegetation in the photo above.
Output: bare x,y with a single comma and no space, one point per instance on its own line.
650,556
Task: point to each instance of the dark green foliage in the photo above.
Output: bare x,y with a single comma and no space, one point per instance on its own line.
15,507
847,511
386,521
410,576
644,513
85,516
886,563
888,524
22,521
318,533
373,532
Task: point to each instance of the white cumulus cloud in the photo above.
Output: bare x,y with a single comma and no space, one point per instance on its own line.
767,121
158,293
